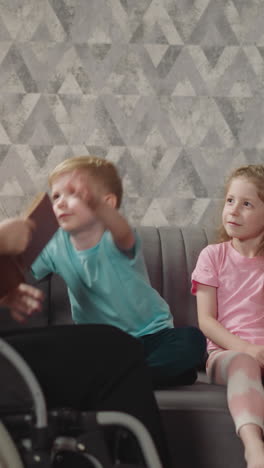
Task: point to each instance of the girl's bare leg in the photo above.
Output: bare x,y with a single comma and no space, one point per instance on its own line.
252,438
245,395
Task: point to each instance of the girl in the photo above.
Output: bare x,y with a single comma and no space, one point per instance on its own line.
228,281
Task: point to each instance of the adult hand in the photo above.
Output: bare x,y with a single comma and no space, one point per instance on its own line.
15,234
23,302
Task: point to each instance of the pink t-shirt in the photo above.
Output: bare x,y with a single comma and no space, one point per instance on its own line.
240,290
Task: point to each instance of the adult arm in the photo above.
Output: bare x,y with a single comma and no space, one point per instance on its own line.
15,234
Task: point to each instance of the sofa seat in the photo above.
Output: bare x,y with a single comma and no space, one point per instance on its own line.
199,428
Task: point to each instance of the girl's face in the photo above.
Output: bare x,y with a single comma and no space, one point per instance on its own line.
243,213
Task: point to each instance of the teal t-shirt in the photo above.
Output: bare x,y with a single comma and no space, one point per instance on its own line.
105,285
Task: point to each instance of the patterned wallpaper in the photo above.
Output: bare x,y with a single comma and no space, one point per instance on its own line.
170,90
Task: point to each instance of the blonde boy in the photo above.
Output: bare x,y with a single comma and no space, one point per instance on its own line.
100,258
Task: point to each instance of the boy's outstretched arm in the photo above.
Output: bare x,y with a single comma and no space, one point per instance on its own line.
117,224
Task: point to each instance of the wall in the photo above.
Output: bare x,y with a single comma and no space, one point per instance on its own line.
170,90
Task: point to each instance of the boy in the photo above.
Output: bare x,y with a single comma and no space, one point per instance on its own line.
99,256
58,355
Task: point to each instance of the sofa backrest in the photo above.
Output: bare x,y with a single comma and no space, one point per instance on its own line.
170,253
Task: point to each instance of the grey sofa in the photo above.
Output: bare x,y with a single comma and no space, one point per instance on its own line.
199,428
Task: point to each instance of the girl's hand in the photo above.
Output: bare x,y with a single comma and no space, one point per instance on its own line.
24,301
257,352
15,235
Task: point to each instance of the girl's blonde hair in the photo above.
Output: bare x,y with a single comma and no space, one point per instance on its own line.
255,174
101,170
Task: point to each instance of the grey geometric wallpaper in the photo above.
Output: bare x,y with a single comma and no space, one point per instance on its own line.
170,90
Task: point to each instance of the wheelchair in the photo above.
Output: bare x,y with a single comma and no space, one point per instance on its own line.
32,437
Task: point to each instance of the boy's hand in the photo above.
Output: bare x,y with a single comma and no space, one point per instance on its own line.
24,301
79,184
103,205
15,234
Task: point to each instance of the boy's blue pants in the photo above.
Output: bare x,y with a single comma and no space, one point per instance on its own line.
174,354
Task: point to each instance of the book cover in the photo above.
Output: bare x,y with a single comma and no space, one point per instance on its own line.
13,267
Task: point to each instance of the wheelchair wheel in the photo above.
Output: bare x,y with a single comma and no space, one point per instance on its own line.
9,456
67,459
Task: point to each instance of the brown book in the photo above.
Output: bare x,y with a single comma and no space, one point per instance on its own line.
13,267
